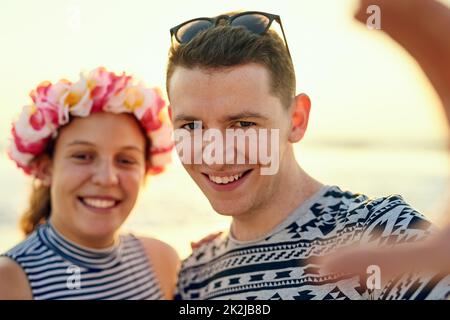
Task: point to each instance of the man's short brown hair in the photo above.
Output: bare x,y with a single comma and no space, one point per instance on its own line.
224,46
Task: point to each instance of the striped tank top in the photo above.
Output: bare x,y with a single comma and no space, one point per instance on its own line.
59,269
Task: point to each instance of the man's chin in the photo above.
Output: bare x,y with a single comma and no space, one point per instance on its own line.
228,209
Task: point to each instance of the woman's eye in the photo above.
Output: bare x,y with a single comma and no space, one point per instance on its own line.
127,161
82,156
245,124
191,126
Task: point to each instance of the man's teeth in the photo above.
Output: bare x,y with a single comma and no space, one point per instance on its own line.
225,180
99,203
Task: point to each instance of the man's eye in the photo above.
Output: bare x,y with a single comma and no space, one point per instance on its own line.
191,126
245,124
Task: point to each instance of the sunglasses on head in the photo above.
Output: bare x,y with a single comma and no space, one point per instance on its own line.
254,21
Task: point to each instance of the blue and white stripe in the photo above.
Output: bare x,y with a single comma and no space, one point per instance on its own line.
59,269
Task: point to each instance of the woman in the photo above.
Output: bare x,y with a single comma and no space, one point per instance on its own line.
89,146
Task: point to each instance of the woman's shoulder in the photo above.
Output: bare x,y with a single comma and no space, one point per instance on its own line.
13,279
165,263
159,246
14,283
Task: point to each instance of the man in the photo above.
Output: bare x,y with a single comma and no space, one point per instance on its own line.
234,73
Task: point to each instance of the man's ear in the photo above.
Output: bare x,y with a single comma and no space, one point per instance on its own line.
299,117
44,170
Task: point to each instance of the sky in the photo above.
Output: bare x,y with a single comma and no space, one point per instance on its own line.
363,86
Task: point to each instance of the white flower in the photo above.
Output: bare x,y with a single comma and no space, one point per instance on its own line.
56,91
26,132
116,103
161,159
76,101
21,158
149,102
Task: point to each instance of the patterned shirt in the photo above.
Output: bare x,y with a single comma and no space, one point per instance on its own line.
279,265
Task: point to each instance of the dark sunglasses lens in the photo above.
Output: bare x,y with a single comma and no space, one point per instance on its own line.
256,23
191,29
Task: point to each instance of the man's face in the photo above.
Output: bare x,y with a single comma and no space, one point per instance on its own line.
233,98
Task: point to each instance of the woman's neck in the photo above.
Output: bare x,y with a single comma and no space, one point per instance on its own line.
101,242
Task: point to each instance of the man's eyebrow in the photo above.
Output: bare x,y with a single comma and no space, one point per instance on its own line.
245,114
185,117
237,116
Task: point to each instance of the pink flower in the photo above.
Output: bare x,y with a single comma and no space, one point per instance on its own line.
47,100
40,93
49,95
22,160
35,124
162,137
32,147
43,117
150,114
150,121
159,161
105,85
54,105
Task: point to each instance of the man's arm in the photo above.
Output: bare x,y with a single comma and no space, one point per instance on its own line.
421,27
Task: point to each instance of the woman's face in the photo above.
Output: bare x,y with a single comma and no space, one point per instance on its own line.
97,169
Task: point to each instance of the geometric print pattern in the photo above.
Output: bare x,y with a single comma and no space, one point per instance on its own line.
280,266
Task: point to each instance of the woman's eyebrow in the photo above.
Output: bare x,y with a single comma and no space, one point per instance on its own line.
133,148
82,142
87,143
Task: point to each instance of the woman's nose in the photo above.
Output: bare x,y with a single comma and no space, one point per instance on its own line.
105,174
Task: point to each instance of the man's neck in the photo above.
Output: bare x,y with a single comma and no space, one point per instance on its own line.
295,188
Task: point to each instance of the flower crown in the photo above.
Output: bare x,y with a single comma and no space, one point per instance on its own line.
101,90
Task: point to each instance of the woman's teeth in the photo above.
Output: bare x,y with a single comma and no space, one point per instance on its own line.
225,180
99,203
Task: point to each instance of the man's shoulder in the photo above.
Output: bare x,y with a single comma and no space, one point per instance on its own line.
386,219
392,220
357,207
341,201
341,208
207,252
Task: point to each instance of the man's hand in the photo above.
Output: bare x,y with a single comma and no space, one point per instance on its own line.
432,255
209,238
421,27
